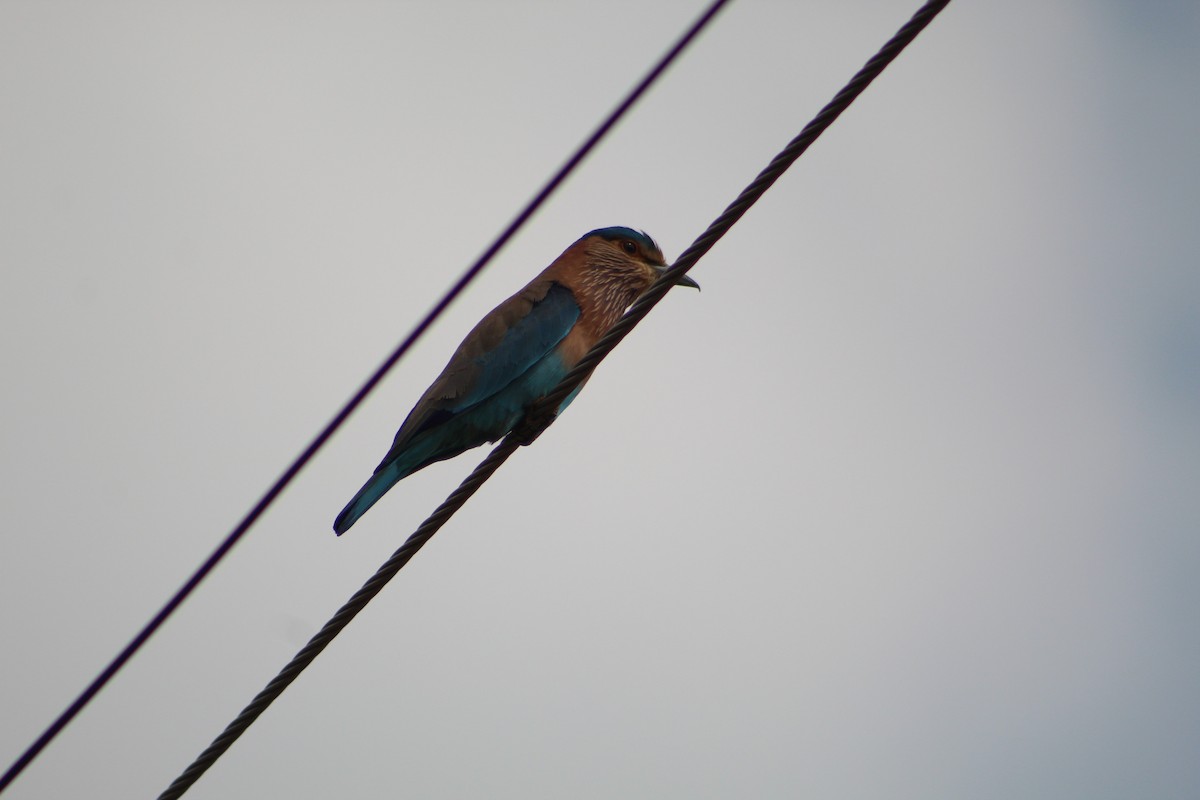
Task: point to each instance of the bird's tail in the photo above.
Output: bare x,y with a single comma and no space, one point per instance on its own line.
367,496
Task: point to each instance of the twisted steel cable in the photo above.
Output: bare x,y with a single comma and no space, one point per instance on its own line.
342,415
749,196
541,415
342,618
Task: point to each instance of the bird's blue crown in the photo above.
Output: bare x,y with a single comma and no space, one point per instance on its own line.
621,232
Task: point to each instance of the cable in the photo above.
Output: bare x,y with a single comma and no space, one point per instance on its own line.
539,418
749,196
319,441
342,618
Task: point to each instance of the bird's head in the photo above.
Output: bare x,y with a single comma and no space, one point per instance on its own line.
625,258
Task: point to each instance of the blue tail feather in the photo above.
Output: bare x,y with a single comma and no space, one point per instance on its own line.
367,496
418,454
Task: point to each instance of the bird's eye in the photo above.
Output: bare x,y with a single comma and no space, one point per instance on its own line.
628,246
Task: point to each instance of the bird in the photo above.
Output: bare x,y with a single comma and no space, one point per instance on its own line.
517,354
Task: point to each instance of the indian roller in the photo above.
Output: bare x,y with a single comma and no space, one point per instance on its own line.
517,354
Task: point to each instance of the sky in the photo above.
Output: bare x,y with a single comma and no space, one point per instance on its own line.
903,504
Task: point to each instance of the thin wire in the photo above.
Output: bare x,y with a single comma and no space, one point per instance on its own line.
538,418
319,441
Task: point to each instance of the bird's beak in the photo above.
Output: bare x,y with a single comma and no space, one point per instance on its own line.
684,280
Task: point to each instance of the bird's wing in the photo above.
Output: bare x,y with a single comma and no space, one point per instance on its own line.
506,343
520,344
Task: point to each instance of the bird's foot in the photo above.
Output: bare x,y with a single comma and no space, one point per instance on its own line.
530,428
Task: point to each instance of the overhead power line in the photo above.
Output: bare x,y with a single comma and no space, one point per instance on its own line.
542,414
342,415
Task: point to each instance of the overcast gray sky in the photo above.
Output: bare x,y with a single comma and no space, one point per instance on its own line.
904,504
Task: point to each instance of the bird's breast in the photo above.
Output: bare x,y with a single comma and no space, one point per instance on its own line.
576,344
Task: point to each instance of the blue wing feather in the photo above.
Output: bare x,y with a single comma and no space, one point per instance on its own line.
521,367
523,346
